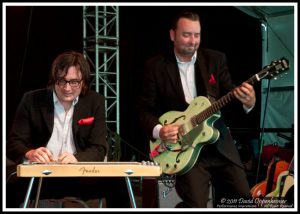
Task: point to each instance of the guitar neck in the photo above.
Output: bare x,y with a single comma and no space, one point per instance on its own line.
270,71
216,106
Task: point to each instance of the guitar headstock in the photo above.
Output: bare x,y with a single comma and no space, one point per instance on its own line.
274,69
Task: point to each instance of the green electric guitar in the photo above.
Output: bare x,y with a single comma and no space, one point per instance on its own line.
196,126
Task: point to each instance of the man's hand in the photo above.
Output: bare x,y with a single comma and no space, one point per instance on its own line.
40,155
168,133
246,94
67,158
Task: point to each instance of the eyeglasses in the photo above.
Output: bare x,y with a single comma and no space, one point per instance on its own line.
73,83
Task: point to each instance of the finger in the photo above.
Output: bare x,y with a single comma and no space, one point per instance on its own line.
62,157
44,157
44,154
38,157
173,137
172,133
242,97
248,86
245,93
244,90
68,159
49,153
248,89
64,160
239,94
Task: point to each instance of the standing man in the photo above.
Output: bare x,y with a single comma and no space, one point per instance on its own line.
171,81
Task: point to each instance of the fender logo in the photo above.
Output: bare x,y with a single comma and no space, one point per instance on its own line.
85,170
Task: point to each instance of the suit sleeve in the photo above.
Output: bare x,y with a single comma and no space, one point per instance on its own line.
146,104
19,137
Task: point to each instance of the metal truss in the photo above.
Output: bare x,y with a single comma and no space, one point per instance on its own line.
101,49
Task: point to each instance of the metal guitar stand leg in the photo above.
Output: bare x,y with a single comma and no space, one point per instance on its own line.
28,192
37,198
130,192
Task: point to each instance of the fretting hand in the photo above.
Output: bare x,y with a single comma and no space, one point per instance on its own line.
246,94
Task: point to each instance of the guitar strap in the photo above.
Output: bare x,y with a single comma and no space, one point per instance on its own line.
160,148
155,152
282,185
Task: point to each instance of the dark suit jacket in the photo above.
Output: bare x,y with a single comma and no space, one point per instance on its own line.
34,122
162,92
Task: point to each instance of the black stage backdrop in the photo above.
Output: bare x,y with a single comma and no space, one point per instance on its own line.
36,35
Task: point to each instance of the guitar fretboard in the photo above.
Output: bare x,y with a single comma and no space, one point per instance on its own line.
270,71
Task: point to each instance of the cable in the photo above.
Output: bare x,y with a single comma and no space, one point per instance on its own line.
116,135
10,176
262,132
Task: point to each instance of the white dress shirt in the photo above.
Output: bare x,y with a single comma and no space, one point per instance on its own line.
187,76
62,135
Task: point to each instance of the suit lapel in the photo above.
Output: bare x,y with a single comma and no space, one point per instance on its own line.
79,113
205,74
175,77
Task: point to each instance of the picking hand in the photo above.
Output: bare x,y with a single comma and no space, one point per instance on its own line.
168,133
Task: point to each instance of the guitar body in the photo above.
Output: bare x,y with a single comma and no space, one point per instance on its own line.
288,183
280,167
259,190
263,188
180,157
285,181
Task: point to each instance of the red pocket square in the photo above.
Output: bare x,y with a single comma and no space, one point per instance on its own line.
86,121
212,80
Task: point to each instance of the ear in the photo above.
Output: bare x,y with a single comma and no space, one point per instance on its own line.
172,35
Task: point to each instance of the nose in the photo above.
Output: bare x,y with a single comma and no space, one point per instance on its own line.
67,85
192,39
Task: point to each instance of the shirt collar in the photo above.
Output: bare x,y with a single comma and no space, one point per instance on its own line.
193,59
55,99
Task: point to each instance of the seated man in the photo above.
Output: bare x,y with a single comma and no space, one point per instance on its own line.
63,123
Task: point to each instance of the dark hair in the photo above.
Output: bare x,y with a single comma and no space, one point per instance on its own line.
66,60
185,14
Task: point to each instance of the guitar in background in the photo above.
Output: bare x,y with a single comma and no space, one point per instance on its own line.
275,168
285,183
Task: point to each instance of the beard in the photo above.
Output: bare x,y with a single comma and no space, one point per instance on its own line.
189,51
